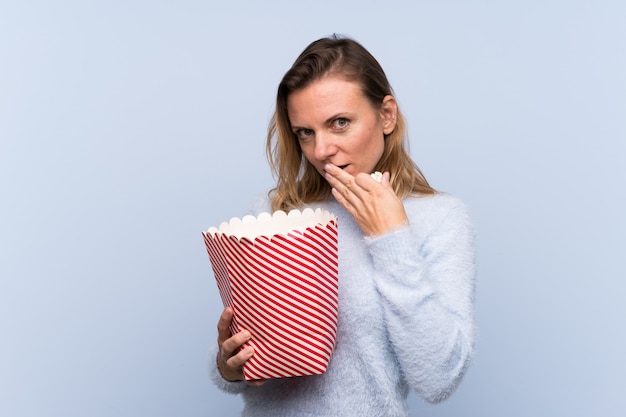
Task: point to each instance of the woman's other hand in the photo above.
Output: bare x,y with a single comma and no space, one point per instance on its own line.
230,357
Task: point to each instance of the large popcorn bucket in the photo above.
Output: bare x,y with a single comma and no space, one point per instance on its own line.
279,274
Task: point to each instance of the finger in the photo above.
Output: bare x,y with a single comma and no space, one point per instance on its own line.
223,325
237,361
230,345
232,368
366,182
348,199
342,200
345,184
386,181
354,208
337,176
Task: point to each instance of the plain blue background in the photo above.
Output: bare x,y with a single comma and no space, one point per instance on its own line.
128,127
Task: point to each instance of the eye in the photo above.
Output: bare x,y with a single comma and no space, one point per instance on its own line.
304,133
341,123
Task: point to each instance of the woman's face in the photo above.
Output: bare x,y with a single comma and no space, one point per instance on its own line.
336,124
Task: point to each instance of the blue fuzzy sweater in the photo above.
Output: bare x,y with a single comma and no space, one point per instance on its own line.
405,319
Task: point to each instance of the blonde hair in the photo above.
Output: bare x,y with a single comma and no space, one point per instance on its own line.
298,182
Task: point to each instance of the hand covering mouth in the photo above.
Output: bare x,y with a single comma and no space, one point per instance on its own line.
343,167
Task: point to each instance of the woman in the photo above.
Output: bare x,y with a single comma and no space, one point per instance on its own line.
406,256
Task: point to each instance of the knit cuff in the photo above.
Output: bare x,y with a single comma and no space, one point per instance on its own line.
396,252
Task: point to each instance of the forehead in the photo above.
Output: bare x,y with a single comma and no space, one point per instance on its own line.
324,98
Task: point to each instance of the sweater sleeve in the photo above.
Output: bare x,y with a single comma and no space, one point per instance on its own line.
426,282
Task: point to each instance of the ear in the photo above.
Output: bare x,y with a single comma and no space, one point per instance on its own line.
389,114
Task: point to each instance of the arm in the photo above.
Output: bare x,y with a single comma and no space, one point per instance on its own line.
426,284
425,278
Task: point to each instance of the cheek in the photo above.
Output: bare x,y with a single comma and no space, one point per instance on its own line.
376,141
307,153
376,146
380,149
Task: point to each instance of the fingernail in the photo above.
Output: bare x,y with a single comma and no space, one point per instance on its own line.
246,335
248,350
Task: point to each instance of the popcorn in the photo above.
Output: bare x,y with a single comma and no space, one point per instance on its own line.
378,176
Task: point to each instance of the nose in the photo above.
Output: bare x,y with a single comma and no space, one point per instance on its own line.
324,146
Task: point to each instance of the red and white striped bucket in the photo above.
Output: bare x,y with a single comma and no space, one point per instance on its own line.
279,273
